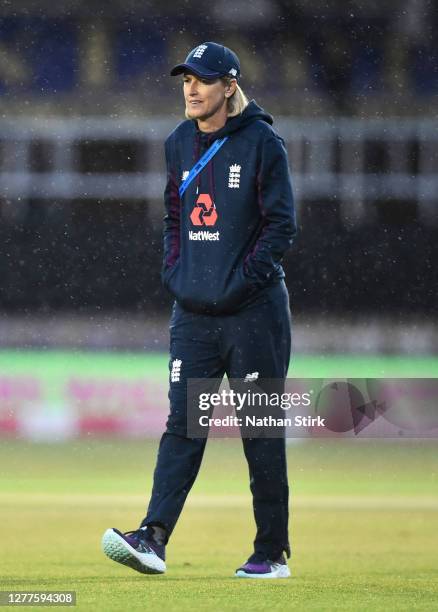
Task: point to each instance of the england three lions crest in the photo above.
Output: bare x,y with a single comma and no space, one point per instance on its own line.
234,176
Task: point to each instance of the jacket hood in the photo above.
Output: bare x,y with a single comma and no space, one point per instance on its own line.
252,112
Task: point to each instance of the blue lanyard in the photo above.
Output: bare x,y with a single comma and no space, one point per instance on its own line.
201,164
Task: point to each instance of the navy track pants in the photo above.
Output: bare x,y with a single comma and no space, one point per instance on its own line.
255,339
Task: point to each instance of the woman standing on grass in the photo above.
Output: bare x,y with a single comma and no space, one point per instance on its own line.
228,224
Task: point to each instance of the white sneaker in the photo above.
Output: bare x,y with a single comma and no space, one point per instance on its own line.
255,568
133,549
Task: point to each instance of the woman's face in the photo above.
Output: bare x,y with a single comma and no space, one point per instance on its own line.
203,98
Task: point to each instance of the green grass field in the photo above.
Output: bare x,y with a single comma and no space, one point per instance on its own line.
56,365
364,526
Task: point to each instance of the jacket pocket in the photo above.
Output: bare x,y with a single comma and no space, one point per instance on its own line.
236,292
168,274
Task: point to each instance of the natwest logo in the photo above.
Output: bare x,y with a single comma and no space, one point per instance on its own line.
204,235
204,212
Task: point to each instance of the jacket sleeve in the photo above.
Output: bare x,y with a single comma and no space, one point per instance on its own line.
172,205
276,204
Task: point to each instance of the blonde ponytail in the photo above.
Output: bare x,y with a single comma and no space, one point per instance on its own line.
237,102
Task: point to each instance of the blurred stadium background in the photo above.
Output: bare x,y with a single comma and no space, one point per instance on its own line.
86,103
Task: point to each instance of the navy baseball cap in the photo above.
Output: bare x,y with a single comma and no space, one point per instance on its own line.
210,61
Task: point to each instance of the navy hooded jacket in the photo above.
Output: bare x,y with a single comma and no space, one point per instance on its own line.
225,238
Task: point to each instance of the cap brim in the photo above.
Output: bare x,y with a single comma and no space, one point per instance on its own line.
204,73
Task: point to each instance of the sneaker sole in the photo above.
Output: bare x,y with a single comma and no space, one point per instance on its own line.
281,572
117,549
